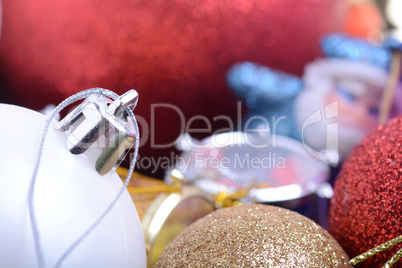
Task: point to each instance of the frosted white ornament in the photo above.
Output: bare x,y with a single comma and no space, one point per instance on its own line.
69,196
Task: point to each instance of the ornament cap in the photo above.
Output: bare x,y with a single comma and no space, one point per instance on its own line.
98,122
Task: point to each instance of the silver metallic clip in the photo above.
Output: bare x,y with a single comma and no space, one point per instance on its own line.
107,123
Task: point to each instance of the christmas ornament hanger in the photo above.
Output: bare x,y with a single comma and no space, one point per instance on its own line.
96,117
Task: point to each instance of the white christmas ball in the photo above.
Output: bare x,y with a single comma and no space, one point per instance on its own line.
69,197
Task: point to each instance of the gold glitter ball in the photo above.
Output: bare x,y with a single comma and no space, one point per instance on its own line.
254,236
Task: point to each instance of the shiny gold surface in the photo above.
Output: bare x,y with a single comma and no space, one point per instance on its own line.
165,210
170,214
254,236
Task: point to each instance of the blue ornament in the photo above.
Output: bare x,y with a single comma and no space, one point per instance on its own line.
269,95
355,49
393,44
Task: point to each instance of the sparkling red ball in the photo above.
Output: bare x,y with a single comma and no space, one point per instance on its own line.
366,209
174,52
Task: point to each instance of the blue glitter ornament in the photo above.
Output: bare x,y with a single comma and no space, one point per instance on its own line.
355,49
269,95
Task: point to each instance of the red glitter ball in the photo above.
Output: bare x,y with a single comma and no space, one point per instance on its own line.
175,52
366,209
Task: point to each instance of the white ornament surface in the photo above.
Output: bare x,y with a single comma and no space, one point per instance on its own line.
69,197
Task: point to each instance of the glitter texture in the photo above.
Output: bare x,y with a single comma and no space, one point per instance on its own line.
366,209
268,93
355,49
174,52
254,236
378,249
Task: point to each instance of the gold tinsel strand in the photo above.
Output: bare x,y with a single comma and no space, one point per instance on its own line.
397,256
368,254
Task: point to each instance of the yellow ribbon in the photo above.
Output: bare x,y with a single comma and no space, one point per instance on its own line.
175,188
223,199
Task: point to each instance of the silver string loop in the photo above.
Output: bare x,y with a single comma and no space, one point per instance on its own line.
31,207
